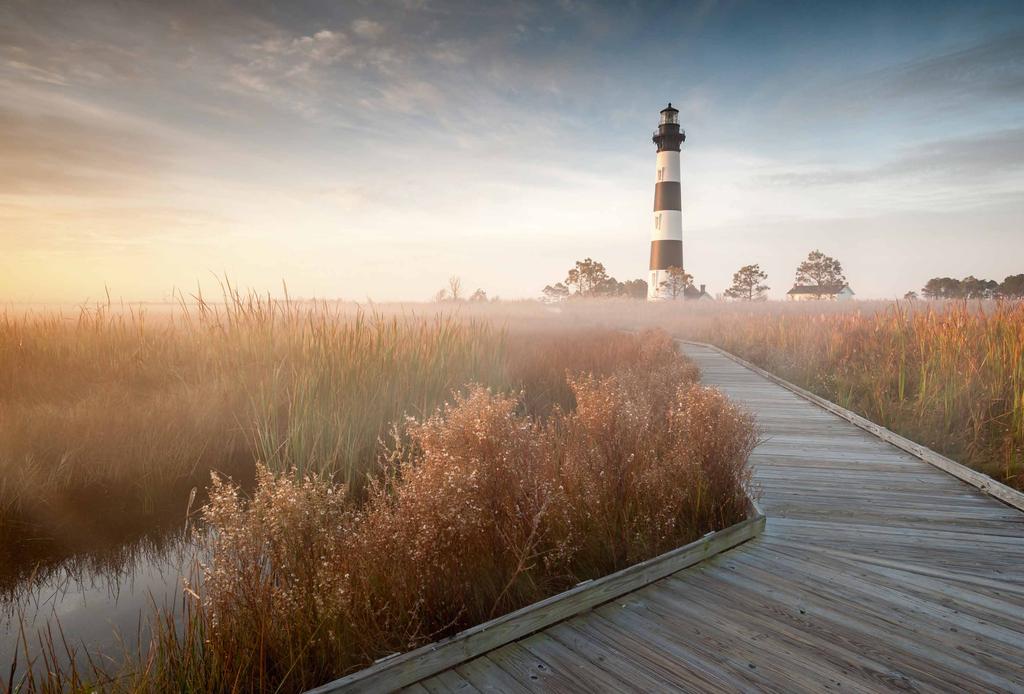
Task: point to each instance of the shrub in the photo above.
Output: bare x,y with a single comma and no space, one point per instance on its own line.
481,509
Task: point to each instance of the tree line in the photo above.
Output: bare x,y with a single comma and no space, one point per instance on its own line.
588,278
970,287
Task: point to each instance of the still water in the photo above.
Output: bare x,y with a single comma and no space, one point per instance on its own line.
103,604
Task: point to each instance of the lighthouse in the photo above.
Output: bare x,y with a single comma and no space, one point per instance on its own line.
667,235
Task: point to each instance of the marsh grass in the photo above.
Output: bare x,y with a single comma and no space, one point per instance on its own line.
490,502
947,375
481,508
109,419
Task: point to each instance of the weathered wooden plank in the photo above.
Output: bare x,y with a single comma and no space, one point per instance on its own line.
667,638
597,652
821,643
979,603
923,648
536,674
732,643
897,601
662,661
579,668
448,682
486,676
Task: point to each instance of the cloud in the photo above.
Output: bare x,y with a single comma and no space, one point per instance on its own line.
966,161
282,55
367,28
960,80
82,43
288,70
289,125
992,68
53,154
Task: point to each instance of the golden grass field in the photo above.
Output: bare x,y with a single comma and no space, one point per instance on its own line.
364,457
380,480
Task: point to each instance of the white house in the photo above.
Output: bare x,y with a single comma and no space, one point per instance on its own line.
820,293
692,293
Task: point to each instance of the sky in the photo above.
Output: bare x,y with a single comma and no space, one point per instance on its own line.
370,150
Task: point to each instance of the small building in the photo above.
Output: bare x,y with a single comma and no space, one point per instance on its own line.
691,293
820,292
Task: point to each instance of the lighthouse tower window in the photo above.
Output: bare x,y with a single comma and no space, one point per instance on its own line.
661,173
657,221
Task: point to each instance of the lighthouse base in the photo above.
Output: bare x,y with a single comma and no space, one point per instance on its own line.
655,289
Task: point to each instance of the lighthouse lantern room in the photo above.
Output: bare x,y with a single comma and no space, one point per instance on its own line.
667,235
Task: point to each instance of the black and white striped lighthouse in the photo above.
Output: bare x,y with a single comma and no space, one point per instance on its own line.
667,235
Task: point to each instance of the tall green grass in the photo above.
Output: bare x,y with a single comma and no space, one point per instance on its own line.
481,508
108,418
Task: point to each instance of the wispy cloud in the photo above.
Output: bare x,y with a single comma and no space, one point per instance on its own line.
269,138
55,154
966,162
367,28
989,69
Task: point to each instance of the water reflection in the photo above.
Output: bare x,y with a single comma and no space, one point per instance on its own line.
103,602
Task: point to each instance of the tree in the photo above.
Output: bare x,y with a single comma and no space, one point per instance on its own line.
478,295
676,283
973,288
635,289
1012,286
820,270
910,296
454,288
942,288
556,292
746,284
588,277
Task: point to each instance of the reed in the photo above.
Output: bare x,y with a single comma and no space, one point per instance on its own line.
490,502
481,508
138,409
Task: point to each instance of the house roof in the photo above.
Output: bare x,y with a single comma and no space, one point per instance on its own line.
819,290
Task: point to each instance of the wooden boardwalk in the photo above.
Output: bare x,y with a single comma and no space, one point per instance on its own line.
876,572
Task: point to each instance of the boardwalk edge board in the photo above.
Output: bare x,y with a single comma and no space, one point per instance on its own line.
994,488
402,670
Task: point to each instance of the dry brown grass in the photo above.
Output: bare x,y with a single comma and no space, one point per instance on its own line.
539,356
481,508
947,374
577,456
